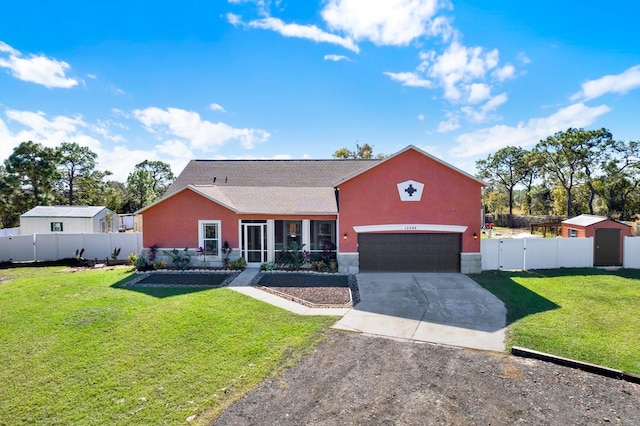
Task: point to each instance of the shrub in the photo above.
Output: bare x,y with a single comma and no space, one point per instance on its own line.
268,266
160,265
239,263
180,259
133,259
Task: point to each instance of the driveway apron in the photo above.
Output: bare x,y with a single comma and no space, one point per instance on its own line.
445,308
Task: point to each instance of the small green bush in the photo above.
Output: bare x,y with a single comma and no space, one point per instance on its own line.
180,259
238,264
268,266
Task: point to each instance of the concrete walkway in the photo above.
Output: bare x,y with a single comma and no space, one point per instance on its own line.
449,309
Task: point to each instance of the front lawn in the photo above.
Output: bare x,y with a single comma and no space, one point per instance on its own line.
590,315
78,349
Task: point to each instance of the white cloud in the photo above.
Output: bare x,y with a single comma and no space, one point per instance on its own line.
504,73
483,113
621,83
335,58
459,64
199,134
117,90
4,47
527,134
409,79
522,57
51,132
421,117
217,107
478,92
450,124
234,19
310,32
389,22
36,68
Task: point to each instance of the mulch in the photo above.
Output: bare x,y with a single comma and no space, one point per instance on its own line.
313,290
186,279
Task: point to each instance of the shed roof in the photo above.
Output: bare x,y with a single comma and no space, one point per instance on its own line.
64,211
587,220
268,173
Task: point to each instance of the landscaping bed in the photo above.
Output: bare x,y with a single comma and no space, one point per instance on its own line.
311,289
184,279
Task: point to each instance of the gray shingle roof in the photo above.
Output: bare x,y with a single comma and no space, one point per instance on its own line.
63,211
263,173
272,200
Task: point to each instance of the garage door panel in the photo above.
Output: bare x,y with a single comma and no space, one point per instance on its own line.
409,252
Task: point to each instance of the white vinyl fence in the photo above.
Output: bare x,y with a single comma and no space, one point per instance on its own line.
549,253
43,247
631,254
5,232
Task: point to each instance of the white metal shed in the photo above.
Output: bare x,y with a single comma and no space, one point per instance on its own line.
68,219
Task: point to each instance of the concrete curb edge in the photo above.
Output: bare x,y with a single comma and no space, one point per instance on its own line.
567,362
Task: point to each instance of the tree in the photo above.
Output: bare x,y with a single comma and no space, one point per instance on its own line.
160,173
32,169
148,182
619,188
532,173
94,189
365,151
77,162
10,196
506,168
572,157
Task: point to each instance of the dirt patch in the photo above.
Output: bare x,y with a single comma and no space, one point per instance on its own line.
313,290
362,380
93,268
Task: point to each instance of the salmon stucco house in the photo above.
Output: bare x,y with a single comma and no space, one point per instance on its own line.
407,212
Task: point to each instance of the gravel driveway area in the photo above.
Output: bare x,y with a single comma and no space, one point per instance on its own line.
362,380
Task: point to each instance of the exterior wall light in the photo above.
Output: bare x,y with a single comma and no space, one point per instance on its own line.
345,236
475,236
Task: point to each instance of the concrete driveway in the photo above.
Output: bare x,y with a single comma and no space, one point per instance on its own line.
446,308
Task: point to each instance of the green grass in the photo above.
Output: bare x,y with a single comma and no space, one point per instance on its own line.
586,314
77,349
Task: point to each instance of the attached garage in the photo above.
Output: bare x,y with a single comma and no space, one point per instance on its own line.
409,252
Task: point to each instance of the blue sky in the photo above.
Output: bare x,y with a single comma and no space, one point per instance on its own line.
174,81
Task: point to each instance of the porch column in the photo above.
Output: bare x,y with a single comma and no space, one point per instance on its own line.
271,240
306,235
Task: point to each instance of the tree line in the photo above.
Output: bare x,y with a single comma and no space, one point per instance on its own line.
35,175
569,173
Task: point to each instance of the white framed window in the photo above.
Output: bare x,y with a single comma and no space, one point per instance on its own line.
573,233
56,227
209,237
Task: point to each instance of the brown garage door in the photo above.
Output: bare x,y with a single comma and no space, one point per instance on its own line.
409,252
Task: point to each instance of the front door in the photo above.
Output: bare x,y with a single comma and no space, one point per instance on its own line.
254,243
